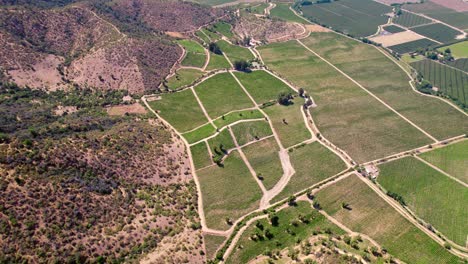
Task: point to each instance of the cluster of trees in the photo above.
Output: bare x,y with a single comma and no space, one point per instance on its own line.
214,47
397,197
242,65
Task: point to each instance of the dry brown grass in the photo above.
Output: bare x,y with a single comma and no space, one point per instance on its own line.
121,110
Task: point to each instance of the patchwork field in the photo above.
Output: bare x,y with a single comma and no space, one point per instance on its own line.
183,77
450,81
200,155
413,46
234,52
264,158
288,122
372,216
408,20
458,50
342,107
393,29
195,54
433,196
383,77
438,32
221,99
180,109
284,234
250,131
451,159
228,192
357,18
313,163
455,17
283,12
236,116
262,86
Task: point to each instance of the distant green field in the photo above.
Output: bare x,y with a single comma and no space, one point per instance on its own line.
434,197
200,133
407,19
234,52
183,77
258,8
223,28
217,62
262,86
191,46
221,94
438,32
289,122
264,158
372,216
251,131
283,12
202,36
313,163
236,116
413,46
461,64
284,235
384,78
342,107
447,15
459,50
393,29
451,159
211,34
228,192
359,18
195,56
180,109
450,81
200,155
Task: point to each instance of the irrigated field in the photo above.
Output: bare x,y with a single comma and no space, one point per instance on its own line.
289,123
228,192
384,78
221,94
372,216
180,109
236,116
458,50
393,29
283,12
407,19
199,133
251,131
357,18
264,158
286,233
223,28
461,64
217,62
412,46
438,32
450,81
200,155
234,52
195,55
262,86
342,107
451,159
183,77
447,15
433,196
313,163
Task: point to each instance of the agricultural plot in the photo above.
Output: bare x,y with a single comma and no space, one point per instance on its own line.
372,216
223,28
264,158
289,123
342,107
454,17
183,77
200,133
228,192
384,78
258,8
250,131
212,36
221,142
451,159
234,52
202,36
461,64
195,54
212,243
221,94
180,109
236,116
283,234
408,20
438,32
200,155
458,50
357,18
433,196
313,163
217,62
413,46
393,29
396,38
262,86
283,12
448,80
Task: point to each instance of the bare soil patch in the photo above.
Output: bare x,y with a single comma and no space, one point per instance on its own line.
317,28
397,38
121,110
176,34
267,30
